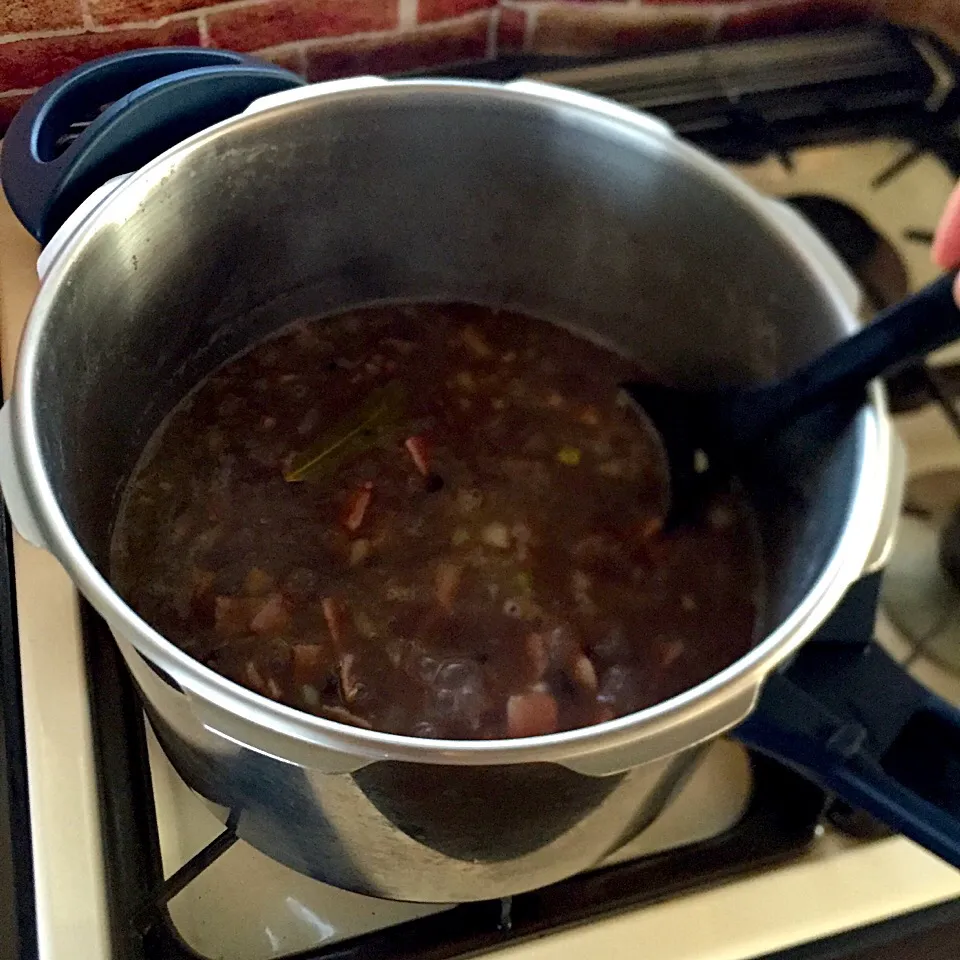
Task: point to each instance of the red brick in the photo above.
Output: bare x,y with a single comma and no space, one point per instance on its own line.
941,16
281,21
10,103
134,11
577,28
290,58
428,10
23,16
459,41
30,63
511,30
793,16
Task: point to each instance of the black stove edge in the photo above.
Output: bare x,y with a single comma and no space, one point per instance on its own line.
932,933
131,846
18,915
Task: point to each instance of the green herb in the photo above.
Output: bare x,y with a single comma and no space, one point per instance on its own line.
354,435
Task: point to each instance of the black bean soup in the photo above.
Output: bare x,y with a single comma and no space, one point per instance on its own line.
431,520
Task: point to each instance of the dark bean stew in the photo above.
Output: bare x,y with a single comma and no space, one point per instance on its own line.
431,520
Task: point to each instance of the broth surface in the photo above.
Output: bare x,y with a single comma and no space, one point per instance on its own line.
432,520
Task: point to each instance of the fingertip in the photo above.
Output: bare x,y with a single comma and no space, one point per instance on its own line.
946,243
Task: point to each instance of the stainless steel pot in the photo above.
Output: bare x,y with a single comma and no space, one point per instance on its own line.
522,196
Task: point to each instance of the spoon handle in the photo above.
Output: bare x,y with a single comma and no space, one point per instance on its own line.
922,323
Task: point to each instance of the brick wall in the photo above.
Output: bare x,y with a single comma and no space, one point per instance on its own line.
40,39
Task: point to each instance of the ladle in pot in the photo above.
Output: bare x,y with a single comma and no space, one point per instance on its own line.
707,434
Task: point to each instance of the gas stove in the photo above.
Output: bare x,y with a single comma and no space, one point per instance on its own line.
857,129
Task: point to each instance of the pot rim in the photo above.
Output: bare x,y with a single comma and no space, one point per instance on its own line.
740,681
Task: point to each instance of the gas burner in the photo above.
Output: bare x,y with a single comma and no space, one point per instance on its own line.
878,266
921,587
871,257
877,201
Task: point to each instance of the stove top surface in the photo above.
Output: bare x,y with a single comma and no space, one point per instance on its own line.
857,129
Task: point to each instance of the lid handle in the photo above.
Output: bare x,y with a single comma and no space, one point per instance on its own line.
113,115
847,716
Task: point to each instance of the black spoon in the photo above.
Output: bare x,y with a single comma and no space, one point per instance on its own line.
707,434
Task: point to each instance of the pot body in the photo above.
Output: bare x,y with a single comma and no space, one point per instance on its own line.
522,197
411,831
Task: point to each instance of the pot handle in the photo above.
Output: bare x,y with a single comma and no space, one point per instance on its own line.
327,758
314,90
114,114
848,717
567,96
11,485
885,539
